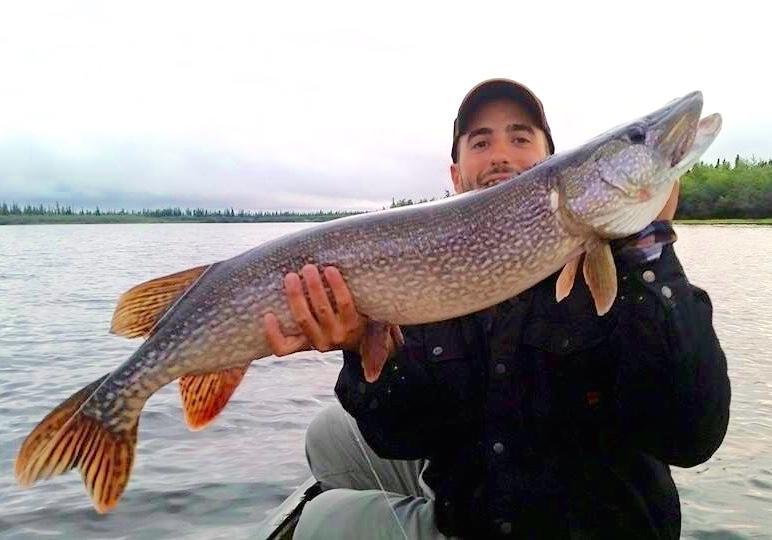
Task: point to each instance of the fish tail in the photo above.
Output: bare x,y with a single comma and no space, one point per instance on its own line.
68,438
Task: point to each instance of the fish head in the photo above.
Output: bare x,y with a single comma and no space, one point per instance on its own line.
622,179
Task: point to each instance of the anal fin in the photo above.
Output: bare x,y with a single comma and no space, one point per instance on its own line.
206,394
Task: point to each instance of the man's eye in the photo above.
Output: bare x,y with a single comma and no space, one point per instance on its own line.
480,144
521,140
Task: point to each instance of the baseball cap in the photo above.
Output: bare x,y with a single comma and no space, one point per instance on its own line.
497,88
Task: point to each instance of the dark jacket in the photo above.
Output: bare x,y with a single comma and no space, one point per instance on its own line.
543,420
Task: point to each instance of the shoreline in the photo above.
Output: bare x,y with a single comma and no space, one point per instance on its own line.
118,219
727,221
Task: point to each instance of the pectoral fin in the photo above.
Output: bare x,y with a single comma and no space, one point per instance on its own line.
600,274
566,279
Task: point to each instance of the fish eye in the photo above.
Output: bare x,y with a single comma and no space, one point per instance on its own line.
637,135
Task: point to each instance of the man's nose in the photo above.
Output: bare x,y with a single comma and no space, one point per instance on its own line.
499,154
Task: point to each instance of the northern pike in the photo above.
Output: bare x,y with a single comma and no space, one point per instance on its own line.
404,266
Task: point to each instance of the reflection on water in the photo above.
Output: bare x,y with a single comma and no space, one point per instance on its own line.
58,286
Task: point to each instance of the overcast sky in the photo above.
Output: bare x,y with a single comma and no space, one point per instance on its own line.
260,105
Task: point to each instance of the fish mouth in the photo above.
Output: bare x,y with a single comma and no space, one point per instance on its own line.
676,138
705,133
684,141
674,127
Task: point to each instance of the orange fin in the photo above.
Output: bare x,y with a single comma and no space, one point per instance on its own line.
142,306
566,279
600,273
205,395
51,424
104,458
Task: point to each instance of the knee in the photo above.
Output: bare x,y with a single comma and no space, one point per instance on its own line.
328,431
314,522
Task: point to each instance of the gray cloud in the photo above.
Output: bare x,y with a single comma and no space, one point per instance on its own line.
256,107
152,173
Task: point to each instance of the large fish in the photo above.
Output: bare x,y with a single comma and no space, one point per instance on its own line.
410,265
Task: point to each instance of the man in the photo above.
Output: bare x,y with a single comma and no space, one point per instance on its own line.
531,419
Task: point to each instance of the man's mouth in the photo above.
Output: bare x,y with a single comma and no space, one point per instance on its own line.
497,178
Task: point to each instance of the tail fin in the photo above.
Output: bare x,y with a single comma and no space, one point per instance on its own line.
50,425
68,438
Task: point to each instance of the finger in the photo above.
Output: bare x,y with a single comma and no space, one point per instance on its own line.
347,312
669,210
374,350
396,335
302,312
320,302
280,344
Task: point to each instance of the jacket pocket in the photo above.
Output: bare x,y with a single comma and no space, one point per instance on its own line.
565,338
571,369
449,361
443,342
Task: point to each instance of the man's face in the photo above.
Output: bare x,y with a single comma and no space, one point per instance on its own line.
501,141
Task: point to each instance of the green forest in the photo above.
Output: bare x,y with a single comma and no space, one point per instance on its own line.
724,190
739,190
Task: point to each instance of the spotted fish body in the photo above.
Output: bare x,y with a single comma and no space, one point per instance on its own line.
410,265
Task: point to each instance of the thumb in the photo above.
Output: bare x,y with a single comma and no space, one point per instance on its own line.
396,335
375,349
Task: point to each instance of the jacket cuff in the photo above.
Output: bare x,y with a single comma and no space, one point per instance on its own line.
645,246
646,287
360,397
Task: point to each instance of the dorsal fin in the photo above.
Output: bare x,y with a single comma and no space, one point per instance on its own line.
140,308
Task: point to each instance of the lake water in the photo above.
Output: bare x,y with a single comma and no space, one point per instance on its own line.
58,287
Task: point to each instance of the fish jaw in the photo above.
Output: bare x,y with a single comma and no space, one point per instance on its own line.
639,212
627,174
707,130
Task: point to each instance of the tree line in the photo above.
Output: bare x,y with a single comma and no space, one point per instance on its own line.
14,209
742,189
720,190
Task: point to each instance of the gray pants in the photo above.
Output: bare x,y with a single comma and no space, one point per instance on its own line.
352,505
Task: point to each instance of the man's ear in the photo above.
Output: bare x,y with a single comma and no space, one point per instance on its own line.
545,144
455,175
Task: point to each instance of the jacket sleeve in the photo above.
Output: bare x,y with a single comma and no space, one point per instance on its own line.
671,392
398,414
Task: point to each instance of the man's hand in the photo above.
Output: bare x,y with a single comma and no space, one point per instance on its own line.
326,328
379,342
668,212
